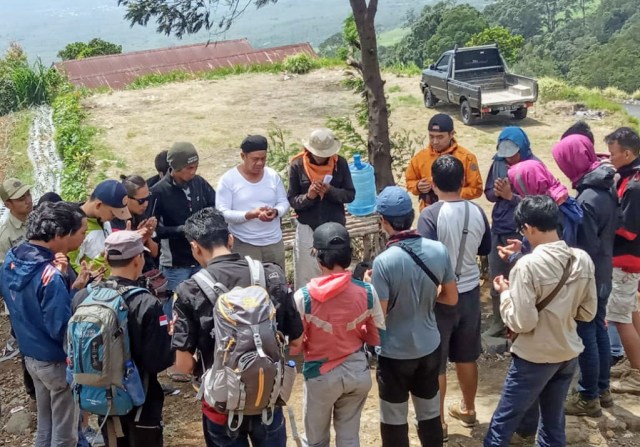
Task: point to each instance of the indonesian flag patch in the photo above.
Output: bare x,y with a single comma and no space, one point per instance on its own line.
163,320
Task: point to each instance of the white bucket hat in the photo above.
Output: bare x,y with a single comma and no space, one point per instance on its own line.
322,143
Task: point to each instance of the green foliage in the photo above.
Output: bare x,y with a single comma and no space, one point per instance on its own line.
522,17
509,44
614,63
353,141
23,85
73,139
95,47
439,28
556,90
300,63
19,164
156,79
280,153
636,95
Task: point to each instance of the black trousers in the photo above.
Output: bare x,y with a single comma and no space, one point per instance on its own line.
143,433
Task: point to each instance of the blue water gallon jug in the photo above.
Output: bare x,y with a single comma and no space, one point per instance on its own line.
365,183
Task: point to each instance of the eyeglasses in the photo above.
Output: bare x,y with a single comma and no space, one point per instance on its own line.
142,200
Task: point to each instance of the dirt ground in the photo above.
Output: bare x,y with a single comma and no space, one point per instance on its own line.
216,116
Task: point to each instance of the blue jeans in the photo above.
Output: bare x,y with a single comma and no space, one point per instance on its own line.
595,360
528,389
175,275
274,435
617,349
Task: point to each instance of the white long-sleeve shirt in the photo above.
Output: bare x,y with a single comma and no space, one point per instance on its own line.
236,195
549,336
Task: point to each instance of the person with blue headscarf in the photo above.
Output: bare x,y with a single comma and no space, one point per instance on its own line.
512,148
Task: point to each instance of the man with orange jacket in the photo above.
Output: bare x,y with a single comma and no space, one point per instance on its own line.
441,142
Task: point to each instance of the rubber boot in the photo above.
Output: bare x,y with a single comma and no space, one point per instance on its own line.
430,432
395,435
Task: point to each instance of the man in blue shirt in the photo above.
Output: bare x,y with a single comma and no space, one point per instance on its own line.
37,294
407,275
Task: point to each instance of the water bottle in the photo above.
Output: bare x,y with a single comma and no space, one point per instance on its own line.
364,182
133,384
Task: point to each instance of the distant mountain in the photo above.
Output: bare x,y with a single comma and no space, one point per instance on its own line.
44,27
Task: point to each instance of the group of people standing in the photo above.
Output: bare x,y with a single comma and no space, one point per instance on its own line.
564,269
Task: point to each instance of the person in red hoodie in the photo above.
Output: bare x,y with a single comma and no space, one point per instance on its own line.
339,314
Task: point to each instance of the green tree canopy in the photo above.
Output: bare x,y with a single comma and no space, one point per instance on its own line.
509,44
522,17
95,47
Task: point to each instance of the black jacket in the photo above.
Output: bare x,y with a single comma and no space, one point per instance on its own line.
598,199
193,312
318,211
626,246
169,204
150,342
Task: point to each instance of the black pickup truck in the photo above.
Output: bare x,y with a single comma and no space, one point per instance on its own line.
476,79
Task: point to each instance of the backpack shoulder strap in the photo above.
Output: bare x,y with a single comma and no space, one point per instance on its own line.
463,241
257,272
208,284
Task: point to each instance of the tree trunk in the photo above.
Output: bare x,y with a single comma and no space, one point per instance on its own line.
379,144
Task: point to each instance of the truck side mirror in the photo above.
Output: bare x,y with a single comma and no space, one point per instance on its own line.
432,67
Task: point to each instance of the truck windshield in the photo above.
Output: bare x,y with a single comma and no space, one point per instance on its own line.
472,60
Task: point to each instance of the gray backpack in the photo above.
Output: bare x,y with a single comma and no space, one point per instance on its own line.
249,375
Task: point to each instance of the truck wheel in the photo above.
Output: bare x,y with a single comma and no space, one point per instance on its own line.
520,113
430,100
466,113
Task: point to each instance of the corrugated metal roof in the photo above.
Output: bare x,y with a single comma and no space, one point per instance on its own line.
118,70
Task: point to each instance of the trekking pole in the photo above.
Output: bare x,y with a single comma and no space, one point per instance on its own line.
294,427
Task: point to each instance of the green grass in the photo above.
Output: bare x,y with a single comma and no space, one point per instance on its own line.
394,89
156,79
392,37
20,166
403,69
407,101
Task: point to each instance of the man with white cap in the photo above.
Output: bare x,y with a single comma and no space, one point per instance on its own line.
319,186
150,343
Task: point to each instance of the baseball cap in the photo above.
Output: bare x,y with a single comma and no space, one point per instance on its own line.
12,188
113,194
394,201
331,236
441,122
507,148
124,244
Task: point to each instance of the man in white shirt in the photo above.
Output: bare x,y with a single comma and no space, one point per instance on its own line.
464,229
252,199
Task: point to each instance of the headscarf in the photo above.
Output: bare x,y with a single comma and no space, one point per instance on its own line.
531,177
519,137
576,157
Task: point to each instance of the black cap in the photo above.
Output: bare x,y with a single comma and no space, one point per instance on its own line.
441,122
254,143
331,236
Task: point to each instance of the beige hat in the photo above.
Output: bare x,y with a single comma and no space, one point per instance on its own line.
322,143
12,188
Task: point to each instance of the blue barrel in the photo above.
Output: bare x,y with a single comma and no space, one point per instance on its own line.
365,183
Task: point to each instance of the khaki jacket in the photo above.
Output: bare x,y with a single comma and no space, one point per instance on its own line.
549,336
12,233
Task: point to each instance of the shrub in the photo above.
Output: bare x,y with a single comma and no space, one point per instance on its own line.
636,95
95,47
615,93
554,90
35,85
300,63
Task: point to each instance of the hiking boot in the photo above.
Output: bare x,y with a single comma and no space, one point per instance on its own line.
497,329
466,418
577,405
620,369
606,399
629,383
522,441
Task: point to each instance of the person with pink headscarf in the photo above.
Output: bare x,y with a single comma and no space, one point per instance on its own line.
531,178
594,181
